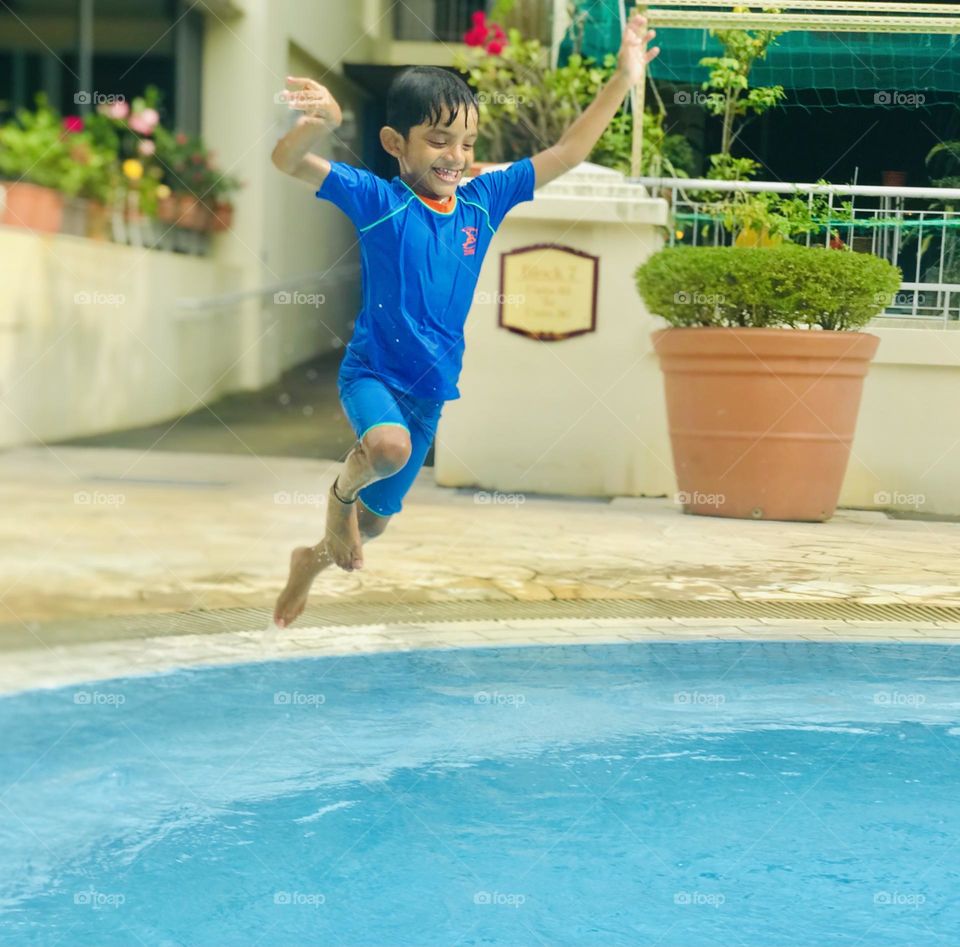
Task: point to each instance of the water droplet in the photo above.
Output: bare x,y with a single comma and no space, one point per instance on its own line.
284,398
308,409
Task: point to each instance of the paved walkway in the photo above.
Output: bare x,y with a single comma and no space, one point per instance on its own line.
106,531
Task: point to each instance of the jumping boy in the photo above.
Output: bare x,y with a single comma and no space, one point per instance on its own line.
422,241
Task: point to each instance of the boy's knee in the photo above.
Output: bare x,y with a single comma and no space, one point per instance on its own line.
388,448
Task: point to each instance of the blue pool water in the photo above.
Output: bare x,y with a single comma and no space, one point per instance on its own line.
693,794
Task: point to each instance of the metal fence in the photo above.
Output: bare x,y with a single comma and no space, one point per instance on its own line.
915,228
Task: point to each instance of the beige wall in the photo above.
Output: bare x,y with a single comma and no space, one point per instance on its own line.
281,230
92,338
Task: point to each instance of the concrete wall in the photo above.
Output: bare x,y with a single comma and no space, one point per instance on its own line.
92,338
281,230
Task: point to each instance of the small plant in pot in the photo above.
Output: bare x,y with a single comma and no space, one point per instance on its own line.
764,364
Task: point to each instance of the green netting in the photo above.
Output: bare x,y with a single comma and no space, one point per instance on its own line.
886,70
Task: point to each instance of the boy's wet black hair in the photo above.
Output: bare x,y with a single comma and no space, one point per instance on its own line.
422,93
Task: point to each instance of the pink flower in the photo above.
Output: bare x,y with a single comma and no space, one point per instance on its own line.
143,123
116,110
147,147
73,123
181,138
494,47
478,18
475,37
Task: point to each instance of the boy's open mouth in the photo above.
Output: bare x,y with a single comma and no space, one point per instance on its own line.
449,175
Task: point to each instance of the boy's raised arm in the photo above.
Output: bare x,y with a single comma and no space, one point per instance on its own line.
578,140
321,115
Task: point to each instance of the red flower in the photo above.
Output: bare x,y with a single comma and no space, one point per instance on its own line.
181,138
488,35
73,123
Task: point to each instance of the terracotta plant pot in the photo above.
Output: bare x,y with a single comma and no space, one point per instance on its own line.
184,210
762,420
31,206
192,213
167,209
222,217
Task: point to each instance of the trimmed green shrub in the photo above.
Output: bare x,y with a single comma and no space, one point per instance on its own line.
766,287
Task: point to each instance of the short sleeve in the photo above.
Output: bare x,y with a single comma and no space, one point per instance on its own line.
364,197
499,191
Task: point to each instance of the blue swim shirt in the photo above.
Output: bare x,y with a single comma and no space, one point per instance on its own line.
419,271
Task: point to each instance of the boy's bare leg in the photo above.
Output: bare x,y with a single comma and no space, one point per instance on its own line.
307,562
380,454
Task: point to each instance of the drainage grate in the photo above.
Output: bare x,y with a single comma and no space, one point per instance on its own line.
110,628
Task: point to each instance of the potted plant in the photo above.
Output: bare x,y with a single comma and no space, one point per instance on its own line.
34,164
763,365
200,192
524,102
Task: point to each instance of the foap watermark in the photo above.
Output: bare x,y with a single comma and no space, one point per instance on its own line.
500,898
98,498
298,699
699,699
899,699
699,899
909,899
696,498
893,300
500,299
312,899
496,498
684,298
690,97
496,699
901,99
897,498
96,298
98,899
284,298
500,98
297,498
93,97
99,698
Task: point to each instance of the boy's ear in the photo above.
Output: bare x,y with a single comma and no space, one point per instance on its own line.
393,142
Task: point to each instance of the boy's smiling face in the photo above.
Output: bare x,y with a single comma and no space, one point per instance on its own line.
434,157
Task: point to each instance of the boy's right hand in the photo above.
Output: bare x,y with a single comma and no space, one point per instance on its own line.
314,100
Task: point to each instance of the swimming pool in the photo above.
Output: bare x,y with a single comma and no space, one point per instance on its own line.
702,793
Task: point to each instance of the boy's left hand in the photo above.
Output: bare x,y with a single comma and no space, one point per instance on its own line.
634,53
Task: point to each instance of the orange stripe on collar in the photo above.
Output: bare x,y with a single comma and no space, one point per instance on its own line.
444,207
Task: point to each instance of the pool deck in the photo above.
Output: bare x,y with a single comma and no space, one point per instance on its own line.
103,532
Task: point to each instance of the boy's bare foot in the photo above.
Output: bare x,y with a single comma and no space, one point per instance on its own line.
342,541
306,562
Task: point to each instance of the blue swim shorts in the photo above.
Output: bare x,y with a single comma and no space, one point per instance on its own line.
369,402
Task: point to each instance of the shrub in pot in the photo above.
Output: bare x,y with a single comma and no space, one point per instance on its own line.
34,160
763,366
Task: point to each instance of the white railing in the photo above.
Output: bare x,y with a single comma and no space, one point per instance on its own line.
923,241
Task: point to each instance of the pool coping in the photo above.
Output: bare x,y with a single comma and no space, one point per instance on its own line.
55,666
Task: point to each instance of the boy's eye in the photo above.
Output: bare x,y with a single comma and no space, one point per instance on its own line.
437,144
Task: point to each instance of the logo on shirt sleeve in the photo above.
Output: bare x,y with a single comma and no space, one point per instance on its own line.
470,243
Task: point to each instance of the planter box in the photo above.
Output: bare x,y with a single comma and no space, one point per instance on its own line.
762,420
31,206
